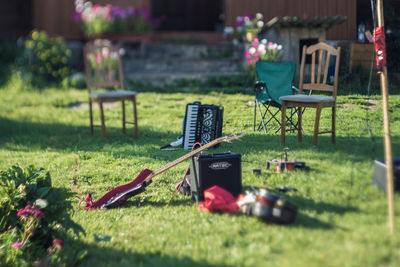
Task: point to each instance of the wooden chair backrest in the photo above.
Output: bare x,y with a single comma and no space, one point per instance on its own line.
318,80
103,65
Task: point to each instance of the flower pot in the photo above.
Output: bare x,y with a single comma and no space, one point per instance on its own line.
249,37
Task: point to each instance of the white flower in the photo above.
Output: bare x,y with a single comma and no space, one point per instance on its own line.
279,47
261,47
122,51
105,51
252,50
238,18
247,22
260,24
259,16
88,5
264,41
228,30
262,51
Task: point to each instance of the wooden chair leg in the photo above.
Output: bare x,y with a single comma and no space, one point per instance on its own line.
316,127
283,122
135,117
91,117
299,129
123,117
334,125
103,126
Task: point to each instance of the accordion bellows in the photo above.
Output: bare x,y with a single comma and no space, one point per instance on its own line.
202,123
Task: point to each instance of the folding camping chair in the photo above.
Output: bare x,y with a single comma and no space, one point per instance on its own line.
274,80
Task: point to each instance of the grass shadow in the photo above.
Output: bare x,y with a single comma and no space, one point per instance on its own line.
104,253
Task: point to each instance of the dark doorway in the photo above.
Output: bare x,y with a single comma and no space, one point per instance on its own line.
306,42
188,15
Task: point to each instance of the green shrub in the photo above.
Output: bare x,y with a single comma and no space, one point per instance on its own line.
45,59
34,216
75,80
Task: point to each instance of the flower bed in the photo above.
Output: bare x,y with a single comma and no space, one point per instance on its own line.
34,219
97,19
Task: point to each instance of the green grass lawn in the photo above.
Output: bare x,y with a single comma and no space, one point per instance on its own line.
342,219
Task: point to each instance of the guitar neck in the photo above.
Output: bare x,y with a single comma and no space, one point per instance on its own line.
181,159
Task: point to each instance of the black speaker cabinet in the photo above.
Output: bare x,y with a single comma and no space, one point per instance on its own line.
222,169
379,177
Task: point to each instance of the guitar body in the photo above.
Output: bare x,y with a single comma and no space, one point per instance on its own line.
122,190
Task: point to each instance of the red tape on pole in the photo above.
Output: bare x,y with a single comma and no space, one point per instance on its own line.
380,47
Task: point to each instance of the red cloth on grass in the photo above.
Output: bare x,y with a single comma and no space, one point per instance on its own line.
218,199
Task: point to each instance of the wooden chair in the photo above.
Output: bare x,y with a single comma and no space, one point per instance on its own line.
318,81
103,68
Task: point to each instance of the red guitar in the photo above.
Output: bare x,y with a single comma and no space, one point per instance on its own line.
121,193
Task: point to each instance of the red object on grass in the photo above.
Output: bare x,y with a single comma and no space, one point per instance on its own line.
218,199
90,204
380,47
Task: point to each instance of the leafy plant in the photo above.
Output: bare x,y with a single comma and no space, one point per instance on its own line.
34,215
45,59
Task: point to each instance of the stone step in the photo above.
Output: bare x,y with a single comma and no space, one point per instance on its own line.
181,51
172,65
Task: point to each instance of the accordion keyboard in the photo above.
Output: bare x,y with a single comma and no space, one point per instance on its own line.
192,112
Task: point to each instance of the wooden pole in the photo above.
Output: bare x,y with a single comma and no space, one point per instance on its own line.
386,123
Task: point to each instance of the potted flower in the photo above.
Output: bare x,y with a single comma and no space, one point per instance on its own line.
262,50
98,20
247,27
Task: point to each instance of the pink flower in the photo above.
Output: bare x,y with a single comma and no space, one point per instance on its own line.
58,244
28,210
256,59
95,7
17,244
99,58
256,40
77,16
249,62
247,54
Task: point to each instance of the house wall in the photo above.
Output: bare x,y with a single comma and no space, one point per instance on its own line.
273,8
55,16
15,19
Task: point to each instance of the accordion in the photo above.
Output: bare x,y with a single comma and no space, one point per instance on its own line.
202,123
